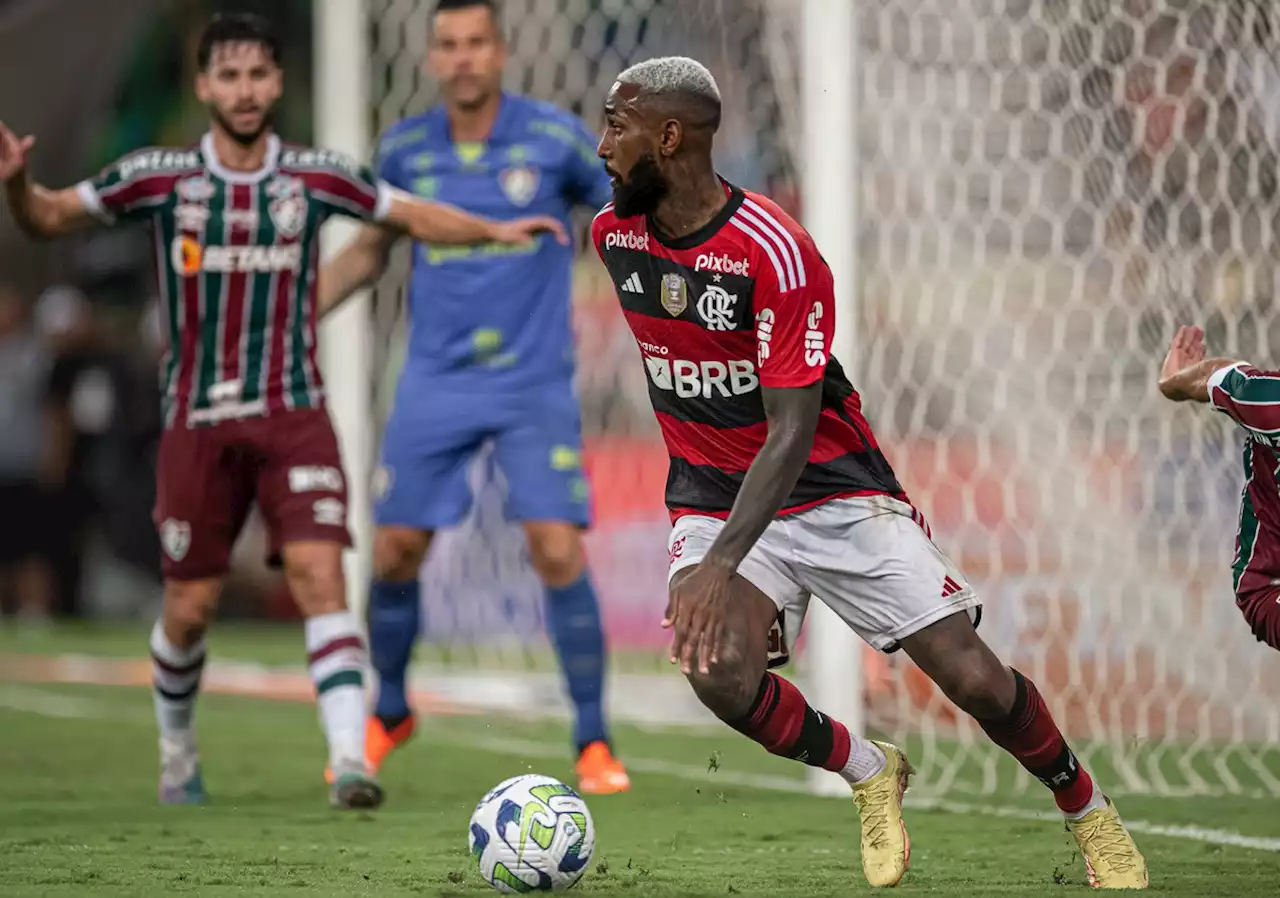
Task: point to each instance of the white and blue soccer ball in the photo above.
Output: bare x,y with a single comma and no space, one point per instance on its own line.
532,834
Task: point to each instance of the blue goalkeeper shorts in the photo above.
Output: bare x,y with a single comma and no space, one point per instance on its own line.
434,435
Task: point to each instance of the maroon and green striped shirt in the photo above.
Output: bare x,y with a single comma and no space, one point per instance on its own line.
236,259
1252,398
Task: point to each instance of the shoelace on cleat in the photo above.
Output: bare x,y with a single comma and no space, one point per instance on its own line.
1110,842
875,817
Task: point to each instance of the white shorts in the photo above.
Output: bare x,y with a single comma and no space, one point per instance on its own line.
868,558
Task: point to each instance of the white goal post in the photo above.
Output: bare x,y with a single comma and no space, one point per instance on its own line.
1019,199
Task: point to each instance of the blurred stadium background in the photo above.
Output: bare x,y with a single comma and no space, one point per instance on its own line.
1043,188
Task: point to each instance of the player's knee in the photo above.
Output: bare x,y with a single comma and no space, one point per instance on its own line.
556,551
314,574
189,607
729,686
398,553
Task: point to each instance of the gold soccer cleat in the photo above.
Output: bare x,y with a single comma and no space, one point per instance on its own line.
886,849
1111,858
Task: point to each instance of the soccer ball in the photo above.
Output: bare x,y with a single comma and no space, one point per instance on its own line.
532,834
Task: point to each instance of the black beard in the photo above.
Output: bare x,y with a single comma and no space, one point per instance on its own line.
244,138
643,189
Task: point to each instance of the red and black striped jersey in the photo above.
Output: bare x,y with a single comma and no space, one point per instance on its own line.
236,257
1252,399
743,303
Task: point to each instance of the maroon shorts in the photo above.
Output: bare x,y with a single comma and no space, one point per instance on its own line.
1262,611
207,478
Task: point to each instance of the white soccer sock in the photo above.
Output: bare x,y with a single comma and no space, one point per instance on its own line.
865,760
1097,801
336,658
175,677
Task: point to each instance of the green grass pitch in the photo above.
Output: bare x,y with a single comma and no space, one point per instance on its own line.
709,814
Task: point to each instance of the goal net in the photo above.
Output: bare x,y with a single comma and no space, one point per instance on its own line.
1045,188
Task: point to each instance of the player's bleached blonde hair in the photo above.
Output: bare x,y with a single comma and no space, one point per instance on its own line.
682,80
673,75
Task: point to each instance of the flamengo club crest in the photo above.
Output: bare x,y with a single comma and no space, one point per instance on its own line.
519,183
675,294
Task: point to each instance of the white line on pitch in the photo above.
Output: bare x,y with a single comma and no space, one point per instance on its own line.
48,703
782,784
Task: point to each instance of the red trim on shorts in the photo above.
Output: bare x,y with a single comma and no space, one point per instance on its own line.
678,513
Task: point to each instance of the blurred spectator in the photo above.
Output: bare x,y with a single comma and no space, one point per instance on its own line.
104,407
26,467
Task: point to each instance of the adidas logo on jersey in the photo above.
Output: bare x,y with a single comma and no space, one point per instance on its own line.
632,284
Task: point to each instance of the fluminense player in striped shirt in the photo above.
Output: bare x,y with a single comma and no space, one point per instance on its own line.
1251,398
235,222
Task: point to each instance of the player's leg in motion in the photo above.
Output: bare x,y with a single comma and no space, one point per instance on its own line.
573,621
772,711
302,493
539,449
203,491
336,661
1009,708
395,620
177,662
421,486
202,496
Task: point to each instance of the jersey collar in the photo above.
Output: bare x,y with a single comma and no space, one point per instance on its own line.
215,166
708,230
503,123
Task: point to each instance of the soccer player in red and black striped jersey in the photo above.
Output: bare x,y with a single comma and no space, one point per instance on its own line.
235,223
777,487
1251,398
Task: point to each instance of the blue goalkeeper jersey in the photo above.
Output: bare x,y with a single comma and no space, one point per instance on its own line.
494,317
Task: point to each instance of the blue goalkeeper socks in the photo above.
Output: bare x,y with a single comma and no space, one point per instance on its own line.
395,617
573,619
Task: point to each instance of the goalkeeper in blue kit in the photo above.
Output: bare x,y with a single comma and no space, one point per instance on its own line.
490,359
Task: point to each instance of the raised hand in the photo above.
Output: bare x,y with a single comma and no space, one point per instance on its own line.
13,152
1186,350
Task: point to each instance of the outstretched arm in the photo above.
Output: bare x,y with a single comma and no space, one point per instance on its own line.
432,222
1248,396
41,213
358,265
1186,373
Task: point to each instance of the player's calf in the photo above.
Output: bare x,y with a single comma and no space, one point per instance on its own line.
573,620
395,619
1012,713
177,663
1005,704
772,712
336,661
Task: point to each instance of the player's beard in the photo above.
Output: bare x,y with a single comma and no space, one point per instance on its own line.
469,93
642,190
244,138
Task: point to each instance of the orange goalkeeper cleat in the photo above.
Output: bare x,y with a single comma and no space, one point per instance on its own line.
379,742
599,772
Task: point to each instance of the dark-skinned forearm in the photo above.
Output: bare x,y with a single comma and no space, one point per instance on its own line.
771,477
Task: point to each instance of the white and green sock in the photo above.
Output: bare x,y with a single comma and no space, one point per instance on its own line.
336,659
175,680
